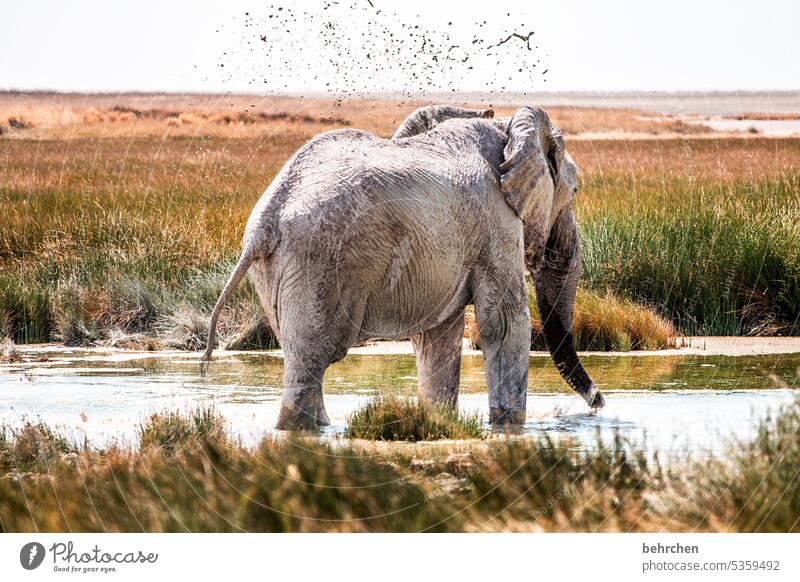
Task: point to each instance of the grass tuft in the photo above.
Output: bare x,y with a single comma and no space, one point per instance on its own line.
250,329
136,341
33,447
26,312
73,332
186,329
172,430
605,322
9,354
391,418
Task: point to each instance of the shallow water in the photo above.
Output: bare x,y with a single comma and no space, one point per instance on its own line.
766,127
671,404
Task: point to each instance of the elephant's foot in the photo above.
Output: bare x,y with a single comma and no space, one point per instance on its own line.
504,416
302,410
594,398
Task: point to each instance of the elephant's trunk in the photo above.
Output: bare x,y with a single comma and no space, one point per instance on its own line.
562,348
556,280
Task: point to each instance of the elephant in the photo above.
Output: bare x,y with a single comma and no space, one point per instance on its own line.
360,237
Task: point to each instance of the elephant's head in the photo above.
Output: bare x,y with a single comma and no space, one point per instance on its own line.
426,118
538,177
539,180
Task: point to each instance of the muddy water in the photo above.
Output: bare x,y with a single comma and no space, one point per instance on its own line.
671,404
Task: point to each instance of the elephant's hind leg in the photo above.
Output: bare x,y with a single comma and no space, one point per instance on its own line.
310,344
302,406
438,352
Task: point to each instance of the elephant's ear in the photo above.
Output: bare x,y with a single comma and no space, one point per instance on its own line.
533,156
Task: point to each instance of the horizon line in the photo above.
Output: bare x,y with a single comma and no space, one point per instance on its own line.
395,96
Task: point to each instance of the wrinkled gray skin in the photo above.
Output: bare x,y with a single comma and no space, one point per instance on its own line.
360,237
426,118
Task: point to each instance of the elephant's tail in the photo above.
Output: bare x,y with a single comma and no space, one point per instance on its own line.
238,273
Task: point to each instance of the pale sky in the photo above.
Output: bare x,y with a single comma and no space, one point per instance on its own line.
180,45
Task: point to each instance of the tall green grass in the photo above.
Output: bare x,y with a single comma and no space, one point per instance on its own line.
80,276
128,237
104,237
721,260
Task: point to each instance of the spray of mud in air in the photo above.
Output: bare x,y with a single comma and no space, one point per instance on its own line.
358,49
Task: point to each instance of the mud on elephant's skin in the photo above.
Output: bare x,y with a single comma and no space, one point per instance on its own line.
360,237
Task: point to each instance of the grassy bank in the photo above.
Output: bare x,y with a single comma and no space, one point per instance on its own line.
130,245
185,473
128,240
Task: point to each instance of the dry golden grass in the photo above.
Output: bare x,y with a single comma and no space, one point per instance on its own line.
63,116
602,322
186,474
629,166
43,115
597,121
293,120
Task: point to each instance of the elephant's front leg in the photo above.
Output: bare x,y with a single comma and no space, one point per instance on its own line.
438,352
503,315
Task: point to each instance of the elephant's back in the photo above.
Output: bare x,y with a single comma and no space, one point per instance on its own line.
340,167
340,175
370,217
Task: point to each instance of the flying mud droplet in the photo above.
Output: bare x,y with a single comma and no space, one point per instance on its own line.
359,49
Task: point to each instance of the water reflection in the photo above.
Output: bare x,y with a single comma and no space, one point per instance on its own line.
694,402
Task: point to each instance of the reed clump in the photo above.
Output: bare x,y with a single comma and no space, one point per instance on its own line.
392,418
601,322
